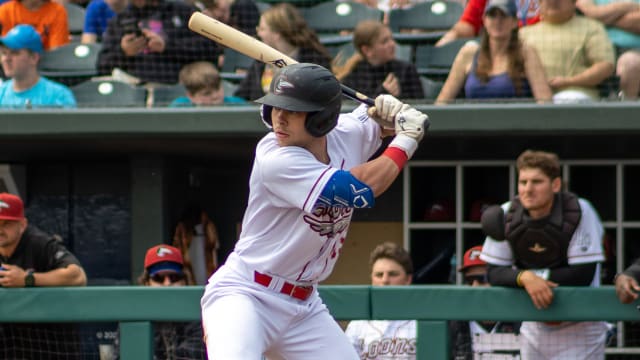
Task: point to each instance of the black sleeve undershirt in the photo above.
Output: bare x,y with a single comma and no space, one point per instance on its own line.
571,275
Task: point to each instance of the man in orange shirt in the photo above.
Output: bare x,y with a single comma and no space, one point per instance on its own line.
47,17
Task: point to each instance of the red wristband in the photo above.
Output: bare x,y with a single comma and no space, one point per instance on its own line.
397,155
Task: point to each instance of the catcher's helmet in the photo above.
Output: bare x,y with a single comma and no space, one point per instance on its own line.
308,88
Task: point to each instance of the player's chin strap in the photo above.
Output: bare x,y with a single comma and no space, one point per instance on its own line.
266,117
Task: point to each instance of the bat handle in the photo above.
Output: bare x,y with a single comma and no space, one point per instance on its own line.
357,96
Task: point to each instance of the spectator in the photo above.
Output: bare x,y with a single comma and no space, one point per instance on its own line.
553,238
150,40
29,257
390,265
47,17
626,283
470,22
622,20
373,69
282,27
197,238
481,339
576,54
204,87
501,66
98,14
20,52
243,15
163,266
387,5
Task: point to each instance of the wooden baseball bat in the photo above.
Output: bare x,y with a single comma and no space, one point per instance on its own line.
252,47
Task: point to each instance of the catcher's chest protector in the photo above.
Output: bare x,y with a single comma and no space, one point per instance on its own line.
542,243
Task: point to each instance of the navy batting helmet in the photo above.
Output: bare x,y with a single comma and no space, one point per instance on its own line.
307,88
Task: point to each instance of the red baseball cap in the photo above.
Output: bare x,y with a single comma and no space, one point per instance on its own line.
163,258
472,258
11,207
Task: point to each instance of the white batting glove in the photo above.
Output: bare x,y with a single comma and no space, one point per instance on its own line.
412,123
385,110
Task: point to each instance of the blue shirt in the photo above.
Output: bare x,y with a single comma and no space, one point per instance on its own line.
184,101
45,93
97,17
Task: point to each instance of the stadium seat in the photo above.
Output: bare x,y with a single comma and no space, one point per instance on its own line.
70,64
428,16
334,17
430,88
164,95
108,93
235,65
435,62
75,15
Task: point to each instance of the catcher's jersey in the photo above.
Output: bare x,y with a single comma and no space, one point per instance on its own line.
383,339
282,233
585,245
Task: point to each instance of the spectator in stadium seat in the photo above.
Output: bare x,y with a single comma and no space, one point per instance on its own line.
151,41
98,14
282,27
29,257
470,22
202,81
390,265
243,15
20,52
47,17
374,69
622,21
500,66
575,51
164,266
481,339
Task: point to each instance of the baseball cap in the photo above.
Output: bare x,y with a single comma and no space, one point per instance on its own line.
507,6
472,258
22,37
163,258
11,207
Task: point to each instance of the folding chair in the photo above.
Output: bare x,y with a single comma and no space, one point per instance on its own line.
75,16
435,62
335,17
71,63
108,93
427,16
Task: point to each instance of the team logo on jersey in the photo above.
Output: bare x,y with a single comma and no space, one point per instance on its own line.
281,86
329,221
536,248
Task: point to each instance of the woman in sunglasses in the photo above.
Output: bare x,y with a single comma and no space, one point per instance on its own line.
480,339
500,66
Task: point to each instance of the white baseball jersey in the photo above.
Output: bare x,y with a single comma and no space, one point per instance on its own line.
282,233
567,340
383,339
291,241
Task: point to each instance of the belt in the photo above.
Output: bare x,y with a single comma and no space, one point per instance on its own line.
295,291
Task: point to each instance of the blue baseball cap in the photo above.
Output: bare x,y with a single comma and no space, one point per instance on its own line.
22,37
508,7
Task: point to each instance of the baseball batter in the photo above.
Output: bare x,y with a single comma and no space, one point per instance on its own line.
309,174
553,238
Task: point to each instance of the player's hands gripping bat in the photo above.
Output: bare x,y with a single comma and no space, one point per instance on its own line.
252,47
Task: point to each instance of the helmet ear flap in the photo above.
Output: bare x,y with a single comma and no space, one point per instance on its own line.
265,115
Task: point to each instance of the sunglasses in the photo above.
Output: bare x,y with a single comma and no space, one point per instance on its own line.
470,279
173,278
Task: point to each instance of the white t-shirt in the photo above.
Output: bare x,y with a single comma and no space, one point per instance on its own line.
282,233
383,339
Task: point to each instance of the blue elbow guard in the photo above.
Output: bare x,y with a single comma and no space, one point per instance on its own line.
344,190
